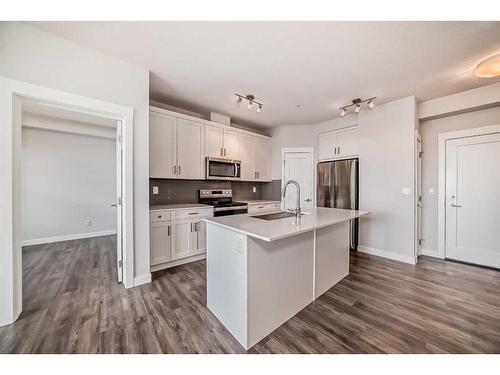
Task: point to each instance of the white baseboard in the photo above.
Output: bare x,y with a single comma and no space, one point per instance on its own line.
69,237
431,253
386,254
142,279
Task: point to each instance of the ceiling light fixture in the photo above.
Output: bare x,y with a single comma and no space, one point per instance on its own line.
489,67
251,100
356,103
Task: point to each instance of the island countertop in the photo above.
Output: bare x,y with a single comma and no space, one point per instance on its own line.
272,230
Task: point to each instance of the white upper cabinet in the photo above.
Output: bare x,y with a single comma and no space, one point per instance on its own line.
214,141
176,147
262,157
348,142
190,149
339,144
162,145
221,142
247,157
231,144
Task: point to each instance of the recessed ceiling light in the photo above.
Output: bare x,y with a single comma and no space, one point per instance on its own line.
489,67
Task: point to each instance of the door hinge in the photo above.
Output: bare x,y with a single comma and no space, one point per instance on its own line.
420,154
420,240
120,263
119,138
120,201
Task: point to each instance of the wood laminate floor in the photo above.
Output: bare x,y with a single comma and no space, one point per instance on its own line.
73,304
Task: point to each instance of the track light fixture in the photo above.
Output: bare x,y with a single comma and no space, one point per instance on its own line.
356,103
251,100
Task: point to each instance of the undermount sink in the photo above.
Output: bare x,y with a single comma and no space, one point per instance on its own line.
276,215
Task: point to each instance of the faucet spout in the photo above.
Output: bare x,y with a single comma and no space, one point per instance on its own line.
297,211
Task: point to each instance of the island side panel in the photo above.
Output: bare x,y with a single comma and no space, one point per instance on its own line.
280,282
332,256
227,279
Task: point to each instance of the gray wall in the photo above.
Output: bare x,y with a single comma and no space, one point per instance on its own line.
66,179
430,131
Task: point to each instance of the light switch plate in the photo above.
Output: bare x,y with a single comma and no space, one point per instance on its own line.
254,189
406,191
88,223
155,190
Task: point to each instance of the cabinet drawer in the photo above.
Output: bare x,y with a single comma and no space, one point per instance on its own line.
159,216
189,214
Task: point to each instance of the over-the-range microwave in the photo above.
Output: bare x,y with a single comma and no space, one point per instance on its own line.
222,169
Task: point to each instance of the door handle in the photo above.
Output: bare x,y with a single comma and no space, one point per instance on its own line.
455,205
307,200
168,230
114,205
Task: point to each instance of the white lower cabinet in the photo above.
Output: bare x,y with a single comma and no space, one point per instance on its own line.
160,242
172,240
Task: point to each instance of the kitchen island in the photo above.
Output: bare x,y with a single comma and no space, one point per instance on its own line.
263,270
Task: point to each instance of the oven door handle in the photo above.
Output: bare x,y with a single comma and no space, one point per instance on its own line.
232,208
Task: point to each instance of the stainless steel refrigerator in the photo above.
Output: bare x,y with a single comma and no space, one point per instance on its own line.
338,188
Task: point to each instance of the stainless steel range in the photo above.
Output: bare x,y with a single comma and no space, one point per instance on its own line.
222,200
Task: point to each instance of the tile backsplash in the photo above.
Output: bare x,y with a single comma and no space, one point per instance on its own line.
186,191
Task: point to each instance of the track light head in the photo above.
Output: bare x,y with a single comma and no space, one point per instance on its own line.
259,108
343,112
371,104
238,100
249,107
357,108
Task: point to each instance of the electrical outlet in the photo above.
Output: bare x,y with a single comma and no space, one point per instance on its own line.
254,189
155,190
88,222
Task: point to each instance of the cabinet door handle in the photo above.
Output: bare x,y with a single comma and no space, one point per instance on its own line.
191,227
224,151
193,213
258,175
339,150
221,151
179,170
335,151
175,169
197,227
168,230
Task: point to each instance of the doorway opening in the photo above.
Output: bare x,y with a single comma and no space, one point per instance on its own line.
13,96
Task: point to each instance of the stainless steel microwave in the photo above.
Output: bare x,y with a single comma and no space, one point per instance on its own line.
223,169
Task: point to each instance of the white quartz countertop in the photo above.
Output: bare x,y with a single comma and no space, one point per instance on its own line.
178,206
253,201
272,230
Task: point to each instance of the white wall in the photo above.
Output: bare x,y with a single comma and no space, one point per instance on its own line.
386,159
430,131
386,165
30,55
66,179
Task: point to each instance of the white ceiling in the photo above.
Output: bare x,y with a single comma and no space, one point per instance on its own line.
318,65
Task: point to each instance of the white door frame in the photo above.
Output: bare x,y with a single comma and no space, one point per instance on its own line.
417,189
11,94
309,150
443,137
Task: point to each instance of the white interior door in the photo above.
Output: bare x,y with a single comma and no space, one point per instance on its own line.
298,166
418,243
119,151
473,199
